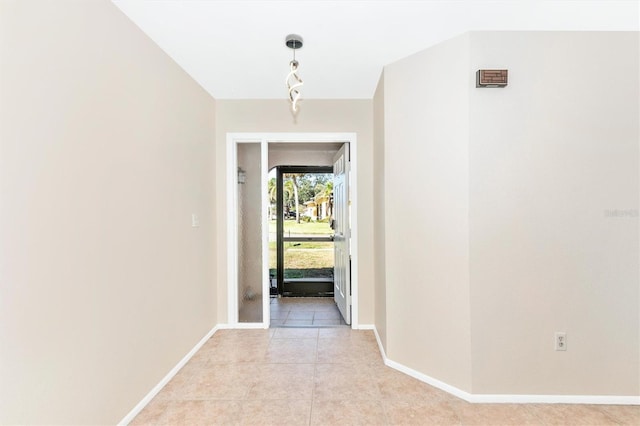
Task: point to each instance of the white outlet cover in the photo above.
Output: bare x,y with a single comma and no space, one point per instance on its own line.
195,221
560,341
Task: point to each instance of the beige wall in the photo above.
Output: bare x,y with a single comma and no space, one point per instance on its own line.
237,116
307,154
549,156
500,207
379,230
426,183
490,233
106,149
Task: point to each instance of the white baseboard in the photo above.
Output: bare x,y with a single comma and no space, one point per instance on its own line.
556,399
504,399
366,327
246,325
157,388
473,398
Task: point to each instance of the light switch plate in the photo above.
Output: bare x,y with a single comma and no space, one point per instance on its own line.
195,221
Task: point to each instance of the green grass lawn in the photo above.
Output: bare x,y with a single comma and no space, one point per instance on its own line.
290,226
309,259
304,255
303,245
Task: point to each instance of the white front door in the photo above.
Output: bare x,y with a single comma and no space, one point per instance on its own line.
341,227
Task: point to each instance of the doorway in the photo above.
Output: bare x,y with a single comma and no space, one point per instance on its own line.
283,145
301,247
301,258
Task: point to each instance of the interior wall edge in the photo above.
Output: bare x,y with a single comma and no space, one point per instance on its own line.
165,380
505,398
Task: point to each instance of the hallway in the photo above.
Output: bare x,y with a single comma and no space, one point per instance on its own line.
314,376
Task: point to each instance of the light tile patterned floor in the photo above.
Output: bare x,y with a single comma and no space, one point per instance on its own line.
294,312
326,376
305,312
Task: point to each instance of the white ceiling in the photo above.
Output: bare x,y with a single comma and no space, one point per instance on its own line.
235,49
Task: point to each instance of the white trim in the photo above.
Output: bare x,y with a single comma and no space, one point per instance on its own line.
157,388
368,327
502,399
232,256
242,326
429,380
380,347
266,284
556,399
232,232
247,325
353,232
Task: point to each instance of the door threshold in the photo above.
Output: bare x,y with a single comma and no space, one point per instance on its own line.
293,295
309,326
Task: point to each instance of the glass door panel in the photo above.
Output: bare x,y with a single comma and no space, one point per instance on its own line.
249,233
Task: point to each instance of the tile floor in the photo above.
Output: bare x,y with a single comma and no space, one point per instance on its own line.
305,312
326,376
294,312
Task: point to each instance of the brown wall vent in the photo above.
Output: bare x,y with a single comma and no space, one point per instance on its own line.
491,78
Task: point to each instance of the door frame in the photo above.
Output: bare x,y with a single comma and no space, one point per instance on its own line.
280,238
264,139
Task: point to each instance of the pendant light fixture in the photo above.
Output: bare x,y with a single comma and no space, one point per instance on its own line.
293,80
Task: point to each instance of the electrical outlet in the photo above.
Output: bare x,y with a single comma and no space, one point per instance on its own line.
195,221
561,341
